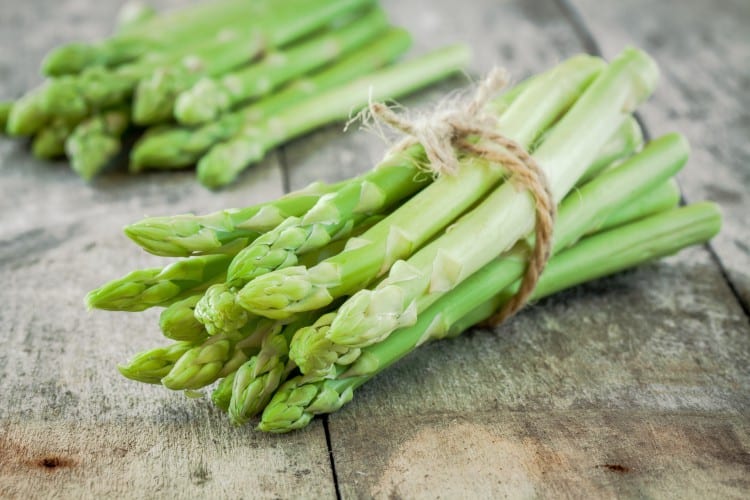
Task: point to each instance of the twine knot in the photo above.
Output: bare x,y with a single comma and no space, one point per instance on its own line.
470,129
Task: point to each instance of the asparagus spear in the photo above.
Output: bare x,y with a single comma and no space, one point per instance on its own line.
155,34
26,116
145,288
315,350
133,14
218,356
506,215
96,141
177,147
49,142
5,110
188,234
177,322
225,161
211,97
222,394
295,289
157,93
151,366
98,87
298,400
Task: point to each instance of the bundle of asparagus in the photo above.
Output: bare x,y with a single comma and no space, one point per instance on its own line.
240,77
293,304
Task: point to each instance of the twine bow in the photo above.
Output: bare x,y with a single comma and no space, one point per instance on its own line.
469,128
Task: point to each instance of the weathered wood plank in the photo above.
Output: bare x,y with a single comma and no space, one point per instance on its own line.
704,53
70,425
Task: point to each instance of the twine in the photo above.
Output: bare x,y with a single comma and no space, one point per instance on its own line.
448,130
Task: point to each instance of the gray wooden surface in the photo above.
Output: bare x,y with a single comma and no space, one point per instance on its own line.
633,386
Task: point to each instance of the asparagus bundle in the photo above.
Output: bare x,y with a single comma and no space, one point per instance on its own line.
291,305
224,70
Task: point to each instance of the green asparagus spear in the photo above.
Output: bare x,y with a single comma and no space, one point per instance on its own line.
187,234
5,109
506,215
225,161
157,93
218,356
299,400
153,35
95,141
49,142
177,322
133,14
177,147
151,366
27,116
145,288
222,394
211,97
315,350
296,289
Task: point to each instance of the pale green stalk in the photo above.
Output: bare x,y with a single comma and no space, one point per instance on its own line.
225,161
178,147
151,366
505,216
211,97
222,394
177,322
132,14
145,288
299,400
296,289
587,208
96,141
218,356
187,234
156,94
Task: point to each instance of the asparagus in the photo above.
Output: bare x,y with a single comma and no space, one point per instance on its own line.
5,110
217,356
316,349
505,216
49,142
188,234
222,394
225,161
133,14
178,322
152,35
211,97
295,289
157,93
96,141
298,400
151,366
145,288
177,147
26,116
98,87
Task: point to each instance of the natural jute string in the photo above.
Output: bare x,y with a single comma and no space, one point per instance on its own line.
450,130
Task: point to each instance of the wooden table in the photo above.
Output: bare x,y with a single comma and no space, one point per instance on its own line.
635,386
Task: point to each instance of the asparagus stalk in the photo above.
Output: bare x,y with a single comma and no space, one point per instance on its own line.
663,197
151,366
222,394
49,142
225,161
187,234
177,147
296,289
505,216
218,356
155,34
145,288
27,116
298,400
177,322
133,14
211,97
157,93
315,350
5,109
95,141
